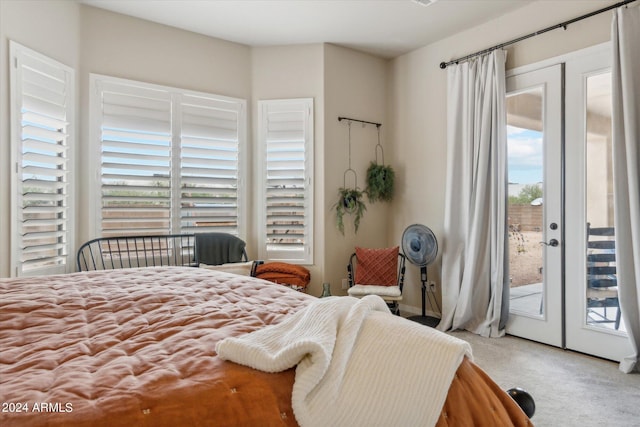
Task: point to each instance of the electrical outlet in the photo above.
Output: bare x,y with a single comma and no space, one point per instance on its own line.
432,286
345,283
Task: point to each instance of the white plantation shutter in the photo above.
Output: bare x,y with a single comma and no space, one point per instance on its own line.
209,164
135,165
286,144
42,95
170,160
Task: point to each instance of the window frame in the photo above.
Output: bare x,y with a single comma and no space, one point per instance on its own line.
305,106
176,95
18,54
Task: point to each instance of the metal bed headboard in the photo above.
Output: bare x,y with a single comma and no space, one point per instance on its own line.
107,253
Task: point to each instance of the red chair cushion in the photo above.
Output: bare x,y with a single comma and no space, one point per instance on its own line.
377,266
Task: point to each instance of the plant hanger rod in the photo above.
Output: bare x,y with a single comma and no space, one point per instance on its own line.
349,169
359,121
379,145
564,25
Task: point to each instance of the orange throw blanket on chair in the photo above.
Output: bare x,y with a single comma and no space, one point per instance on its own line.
284,273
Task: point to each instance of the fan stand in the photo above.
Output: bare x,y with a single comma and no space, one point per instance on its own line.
424,319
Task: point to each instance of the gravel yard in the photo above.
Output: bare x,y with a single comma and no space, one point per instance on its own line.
525,257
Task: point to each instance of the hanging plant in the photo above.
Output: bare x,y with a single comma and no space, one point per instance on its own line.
349,202
380,182
380,178
349,199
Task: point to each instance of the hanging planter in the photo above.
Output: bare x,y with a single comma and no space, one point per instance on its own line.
349,202
349,199
380,178
380,182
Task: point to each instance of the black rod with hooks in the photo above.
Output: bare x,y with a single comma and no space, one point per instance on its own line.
359,121
564,25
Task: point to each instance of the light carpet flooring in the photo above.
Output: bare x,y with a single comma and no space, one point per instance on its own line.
570,389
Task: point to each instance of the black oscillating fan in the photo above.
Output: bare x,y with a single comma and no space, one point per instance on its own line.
420,246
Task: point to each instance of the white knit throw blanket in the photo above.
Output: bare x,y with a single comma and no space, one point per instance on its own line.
358,365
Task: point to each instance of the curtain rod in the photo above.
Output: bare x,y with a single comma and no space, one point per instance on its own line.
359,121
444,65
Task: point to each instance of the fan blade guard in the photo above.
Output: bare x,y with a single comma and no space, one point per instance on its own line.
419,244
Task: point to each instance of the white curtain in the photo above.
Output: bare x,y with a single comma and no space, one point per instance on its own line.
626,163
473,254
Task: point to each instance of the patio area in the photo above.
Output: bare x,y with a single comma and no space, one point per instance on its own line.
527,299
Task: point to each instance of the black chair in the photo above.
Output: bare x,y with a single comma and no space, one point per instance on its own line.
602,278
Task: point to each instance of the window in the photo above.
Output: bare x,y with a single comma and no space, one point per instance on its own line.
286,153
171,160
42,115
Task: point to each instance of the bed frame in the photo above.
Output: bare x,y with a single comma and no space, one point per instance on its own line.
108,253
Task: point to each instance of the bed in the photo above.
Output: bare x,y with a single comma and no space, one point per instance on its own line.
136,347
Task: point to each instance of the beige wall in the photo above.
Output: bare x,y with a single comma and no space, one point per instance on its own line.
131,48
50,27
417,106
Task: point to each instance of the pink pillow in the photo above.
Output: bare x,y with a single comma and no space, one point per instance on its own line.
377,266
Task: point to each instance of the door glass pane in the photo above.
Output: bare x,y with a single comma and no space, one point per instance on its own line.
525,204
601,284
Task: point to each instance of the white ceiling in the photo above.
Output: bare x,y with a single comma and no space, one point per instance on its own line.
387,28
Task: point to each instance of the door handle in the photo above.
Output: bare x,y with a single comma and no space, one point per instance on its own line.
552,242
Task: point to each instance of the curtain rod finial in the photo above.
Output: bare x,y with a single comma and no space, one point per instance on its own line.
443,65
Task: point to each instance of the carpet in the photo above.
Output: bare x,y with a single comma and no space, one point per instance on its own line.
569,388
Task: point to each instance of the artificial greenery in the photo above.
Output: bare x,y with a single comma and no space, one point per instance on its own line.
349,202
380,179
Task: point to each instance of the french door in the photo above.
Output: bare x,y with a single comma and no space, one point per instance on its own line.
561,186
593,321
535,226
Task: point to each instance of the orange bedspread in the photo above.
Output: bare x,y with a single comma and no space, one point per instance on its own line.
135,347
